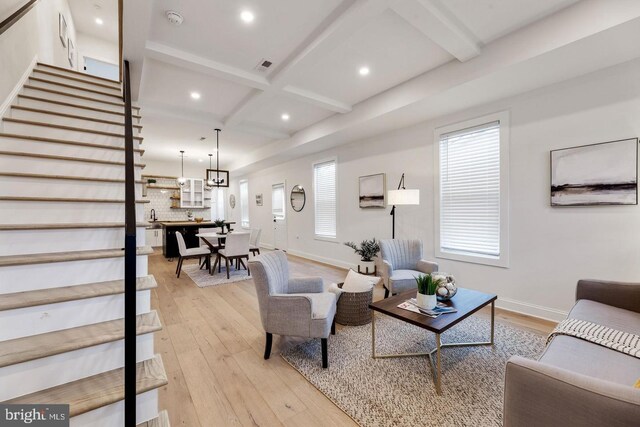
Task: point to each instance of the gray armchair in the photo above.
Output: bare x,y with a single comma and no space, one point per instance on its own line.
401,262
292,306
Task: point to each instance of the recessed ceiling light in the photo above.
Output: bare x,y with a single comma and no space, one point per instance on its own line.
200,160
195,95
247,16
364,71
99,21
285,117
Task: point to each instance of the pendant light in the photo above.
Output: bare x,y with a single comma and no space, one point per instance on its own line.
182,180
218,181
210,182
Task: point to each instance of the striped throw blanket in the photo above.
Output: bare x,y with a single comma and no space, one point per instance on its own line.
623,342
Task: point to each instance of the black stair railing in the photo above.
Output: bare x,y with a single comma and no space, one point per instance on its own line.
129,258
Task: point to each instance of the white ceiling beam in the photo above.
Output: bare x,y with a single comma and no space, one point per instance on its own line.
440,25
203,65
358,14
316,99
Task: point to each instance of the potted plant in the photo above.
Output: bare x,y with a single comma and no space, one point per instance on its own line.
427,286
220,223
367,250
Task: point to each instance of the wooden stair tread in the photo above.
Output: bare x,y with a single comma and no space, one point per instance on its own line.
64,127
71,116
45,258
65,177
78,73
67,226
71,159
34,347
70,293
162,420
64,199
65,141
73,95
70,86
67,104
100,390
76,79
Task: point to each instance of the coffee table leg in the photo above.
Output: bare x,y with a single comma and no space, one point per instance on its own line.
493,320
438,367
373,334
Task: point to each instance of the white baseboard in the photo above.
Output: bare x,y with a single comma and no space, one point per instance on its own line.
323,260
534,310
14,93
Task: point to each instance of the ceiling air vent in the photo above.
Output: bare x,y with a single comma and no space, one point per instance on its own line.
263,65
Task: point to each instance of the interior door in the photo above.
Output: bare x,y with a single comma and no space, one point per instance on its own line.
279,212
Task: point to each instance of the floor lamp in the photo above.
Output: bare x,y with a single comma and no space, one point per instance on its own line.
398,197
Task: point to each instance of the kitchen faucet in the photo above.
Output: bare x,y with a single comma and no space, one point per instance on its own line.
153,215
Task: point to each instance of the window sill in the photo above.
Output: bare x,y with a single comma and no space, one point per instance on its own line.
502,262
326,239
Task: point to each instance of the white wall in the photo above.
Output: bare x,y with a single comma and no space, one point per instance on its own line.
551,248
96,48
36,34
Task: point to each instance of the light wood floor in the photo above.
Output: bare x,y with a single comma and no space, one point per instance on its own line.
212,346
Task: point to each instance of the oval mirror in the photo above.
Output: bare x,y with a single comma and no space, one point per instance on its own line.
298,198
232,201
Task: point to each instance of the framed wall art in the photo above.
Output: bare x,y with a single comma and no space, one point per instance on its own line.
372,190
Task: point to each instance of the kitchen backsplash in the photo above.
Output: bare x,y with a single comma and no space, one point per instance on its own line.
159,199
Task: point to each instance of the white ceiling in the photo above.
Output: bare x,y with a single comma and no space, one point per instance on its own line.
414,49
85,12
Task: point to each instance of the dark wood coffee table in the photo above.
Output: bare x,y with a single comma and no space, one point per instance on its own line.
466,301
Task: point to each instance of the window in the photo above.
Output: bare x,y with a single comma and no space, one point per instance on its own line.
324,186
472,191
277,201
217,203
244,204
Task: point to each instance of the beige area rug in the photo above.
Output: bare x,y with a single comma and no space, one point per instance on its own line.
203,279
400,391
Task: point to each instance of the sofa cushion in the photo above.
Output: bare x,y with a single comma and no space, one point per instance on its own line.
606,315
583,357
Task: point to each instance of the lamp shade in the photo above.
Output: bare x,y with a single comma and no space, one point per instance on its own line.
403,197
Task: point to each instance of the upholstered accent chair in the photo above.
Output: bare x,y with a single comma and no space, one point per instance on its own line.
401,262
292,306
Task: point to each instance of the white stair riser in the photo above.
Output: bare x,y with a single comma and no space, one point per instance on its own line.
32,187
44,147
47,318
72,135
45,241
33,103
71,80
69,121
20,278
47,372
9,163
74,91
87,77
34,91
17,212
113,415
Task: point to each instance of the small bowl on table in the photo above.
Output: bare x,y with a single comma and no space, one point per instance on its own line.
198,219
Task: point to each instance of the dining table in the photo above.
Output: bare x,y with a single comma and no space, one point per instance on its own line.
216,241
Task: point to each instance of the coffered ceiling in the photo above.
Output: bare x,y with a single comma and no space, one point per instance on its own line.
412,49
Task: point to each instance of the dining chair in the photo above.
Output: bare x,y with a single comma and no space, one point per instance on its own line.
299,307
212,249
254,242
236,247
188,253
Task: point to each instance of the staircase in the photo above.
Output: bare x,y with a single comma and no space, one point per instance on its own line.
61,259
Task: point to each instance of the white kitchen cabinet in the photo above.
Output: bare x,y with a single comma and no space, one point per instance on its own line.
192,193
153,237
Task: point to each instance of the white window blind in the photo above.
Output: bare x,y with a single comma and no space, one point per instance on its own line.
244,203
470,191
277,201
324,185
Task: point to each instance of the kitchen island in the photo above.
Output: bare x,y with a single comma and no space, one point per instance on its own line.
189,229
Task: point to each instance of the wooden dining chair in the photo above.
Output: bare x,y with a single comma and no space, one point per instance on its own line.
189,253
236,248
